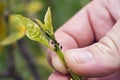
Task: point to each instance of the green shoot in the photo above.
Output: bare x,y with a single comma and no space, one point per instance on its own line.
43,32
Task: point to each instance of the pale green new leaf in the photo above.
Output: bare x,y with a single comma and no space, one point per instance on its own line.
40,24
33,31
48,23
47,26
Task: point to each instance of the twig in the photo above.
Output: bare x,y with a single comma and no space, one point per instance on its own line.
4,75
26,54
11,65
11,72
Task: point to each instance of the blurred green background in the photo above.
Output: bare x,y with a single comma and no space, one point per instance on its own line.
14,64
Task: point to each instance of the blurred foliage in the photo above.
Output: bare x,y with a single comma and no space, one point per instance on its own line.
16,31
33,7
11,32
3,31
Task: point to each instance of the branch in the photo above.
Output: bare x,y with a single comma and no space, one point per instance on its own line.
11,72
26,54
11,65
4,75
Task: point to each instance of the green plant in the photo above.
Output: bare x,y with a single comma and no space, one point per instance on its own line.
43,33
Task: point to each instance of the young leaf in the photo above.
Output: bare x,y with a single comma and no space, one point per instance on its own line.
40,24
33,31
48,28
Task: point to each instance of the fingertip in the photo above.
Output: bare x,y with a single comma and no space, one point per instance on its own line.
91,62
78,56
58,76
79,61
50,54
59,65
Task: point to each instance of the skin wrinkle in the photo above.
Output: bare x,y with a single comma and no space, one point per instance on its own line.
102,19
114,7
89,19
116,47
106,2
105,42
64,43
71,37
85,32
99,62
107,54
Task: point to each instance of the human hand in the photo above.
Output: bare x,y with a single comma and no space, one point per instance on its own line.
91,43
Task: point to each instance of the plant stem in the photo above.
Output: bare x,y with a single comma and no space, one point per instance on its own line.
61,56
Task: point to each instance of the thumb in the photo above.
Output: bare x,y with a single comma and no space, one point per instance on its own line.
99,59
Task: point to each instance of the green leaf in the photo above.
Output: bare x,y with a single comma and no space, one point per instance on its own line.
48,23
33,31
16,32
40,24
47,26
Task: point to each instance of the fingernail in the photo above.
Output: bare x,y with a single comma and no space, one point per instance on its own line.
79,56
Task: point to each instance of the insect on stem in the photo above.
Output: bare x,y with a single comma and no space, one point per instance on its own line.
61,47
52,42
47,35
55,41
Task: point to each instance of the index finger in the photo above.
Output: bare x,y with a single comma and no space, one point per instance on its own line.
89,24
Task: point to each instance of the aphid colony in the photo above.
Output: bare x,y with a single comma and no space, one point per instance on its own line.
54,43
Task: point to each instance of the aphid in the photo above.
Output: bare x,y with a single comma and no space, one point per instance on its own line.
55,46
58,43
47,34
56,49
52,42
55,41
61,47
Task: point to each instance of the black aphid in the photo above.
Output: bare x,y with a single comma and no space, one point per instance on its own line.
52,42
61,47
55,41
55,46
58,43
47,34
